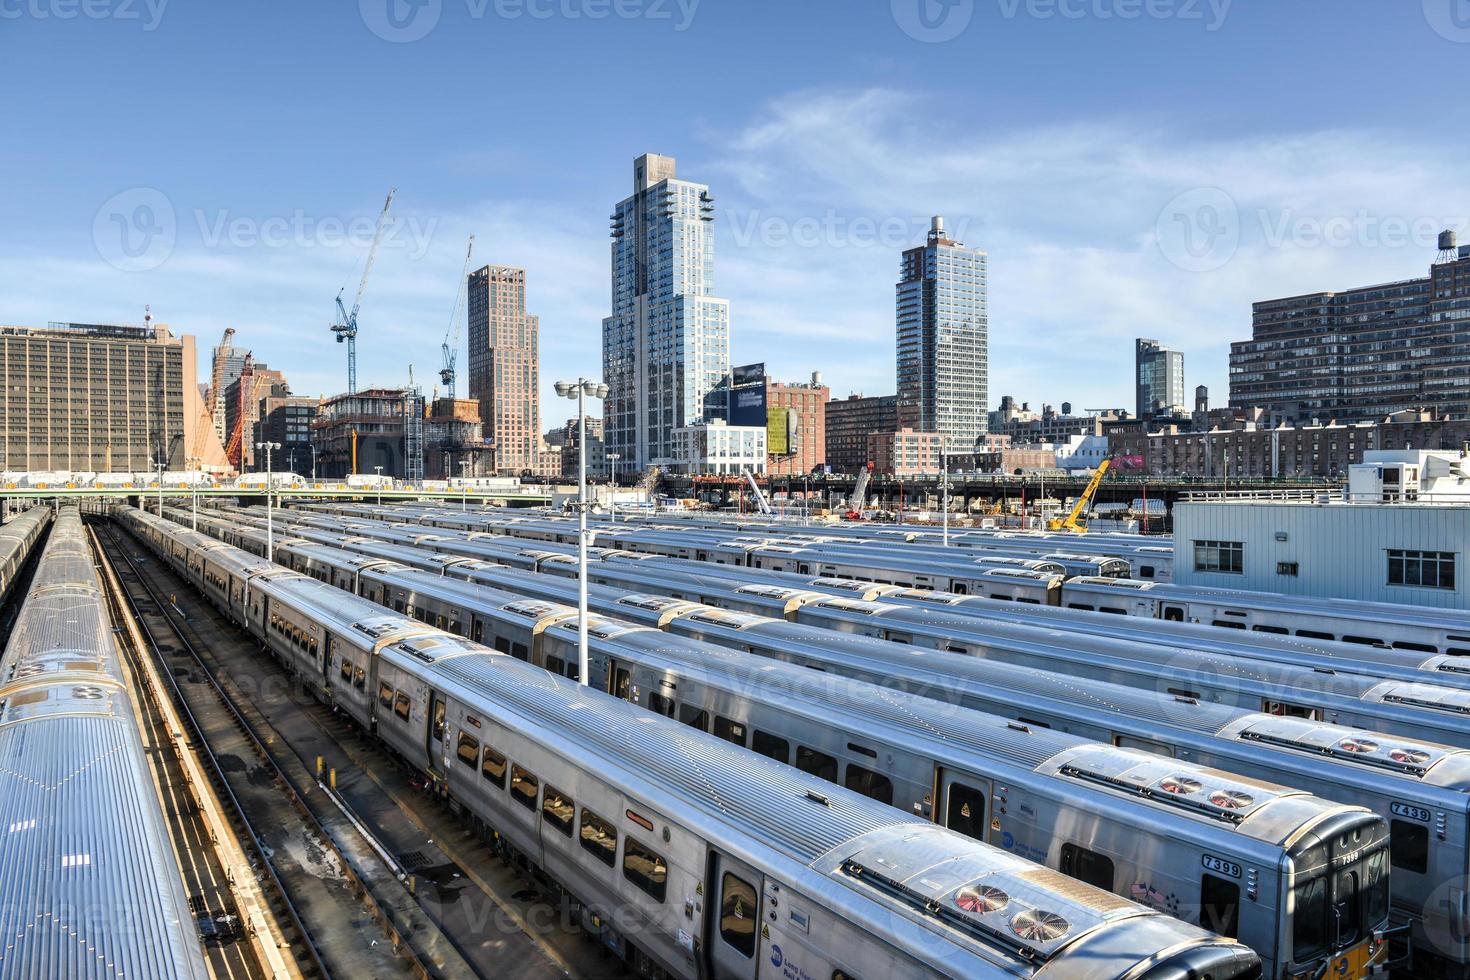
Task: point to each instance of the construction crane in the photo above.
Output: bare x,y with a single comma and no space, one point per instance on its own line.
233,453
760,498
451,350
346,326
1074,521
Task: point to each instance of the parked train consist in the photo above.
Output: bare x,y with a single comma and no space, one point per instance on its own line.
692,857
89,885
18,539
1421,787
1384,625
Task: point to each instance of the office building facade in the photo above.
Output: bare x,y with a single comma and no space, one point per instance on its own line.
99,398
943,340
667,343
1158,374
505,366
1363,353
285,419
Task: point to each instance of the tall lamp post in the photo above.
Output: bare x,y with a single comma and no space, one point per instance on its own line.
464,485
944,488
379,481
612,499
580,390
158,464
270,526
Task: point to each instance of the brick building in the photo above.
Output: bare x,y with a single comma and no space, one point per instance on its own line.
848,423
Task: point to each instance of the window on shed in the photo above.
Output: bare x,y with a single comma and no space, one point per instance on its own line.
1219,556
1423,569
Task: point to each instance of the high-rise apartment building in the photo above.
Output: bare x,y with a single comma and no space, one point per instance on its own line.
226,363
285,419
1361,354
943,340
100,398
242,411
667,342
505,365
1158,378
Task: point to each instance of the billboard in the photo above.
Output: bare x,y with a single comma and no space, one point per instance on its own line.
748,405
748,374
777,441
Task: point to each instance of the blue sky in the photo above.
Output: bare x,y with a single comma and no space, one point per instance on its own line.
1133,167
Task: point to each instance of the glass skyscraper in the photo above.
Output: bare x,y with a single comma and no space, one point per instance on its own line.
667,342
943,340
1159,373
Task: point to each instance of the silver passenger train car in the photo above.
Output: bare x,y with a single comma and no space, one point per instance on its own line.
1120,819
18,539
89,886
1421,787
693,857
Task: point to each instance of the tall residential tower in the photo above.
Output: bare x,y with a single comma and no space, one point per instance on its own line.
667,342
1159,377
504,345
943,346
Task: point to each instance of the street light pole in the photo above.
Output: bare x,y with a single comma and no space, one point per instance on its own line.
270,526
612,499
464,485
379,471
580,390
944,490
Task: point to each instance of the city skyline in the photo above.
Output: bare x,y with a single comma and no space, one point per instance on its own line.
813,161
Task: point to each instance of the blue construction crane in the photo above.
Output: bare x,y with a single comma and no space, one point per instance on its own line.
346,326
451,350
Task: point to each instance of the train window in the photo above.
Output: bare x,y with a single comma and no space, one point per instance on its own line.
1410,846
385,695
966,811
477,631
1285,709
766,744
1089,866
1219,905
730,731
1264,628
599,838
817,763
1309,932
644,868
695,717
519,651
1079,605
502,644
664,706
737,914
1315,635
346,670
523,787
869,783
1366,641
622,683
1375,890
1115,610
1345,904
1181,692
492,767
438,727
558,809
468,750
402,706
1173,614
1228,624
359,678
1410,645
1032,723
1146,571
556,665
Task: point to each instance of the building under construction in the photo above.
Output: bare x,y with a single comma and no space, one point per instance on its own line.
101,398
366,432
454,440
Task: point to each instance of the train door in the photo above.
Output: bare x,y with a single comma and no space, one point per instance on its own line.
734,919
436,749
963,803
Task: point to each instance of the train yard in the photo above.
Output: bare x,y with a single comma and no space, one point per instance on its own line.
801,752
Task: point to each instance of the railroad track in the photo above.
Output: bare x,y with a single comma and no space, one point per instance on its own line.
310,905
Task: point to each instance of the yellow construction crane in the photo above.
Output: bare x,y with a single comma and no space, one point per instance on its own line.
1074,521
